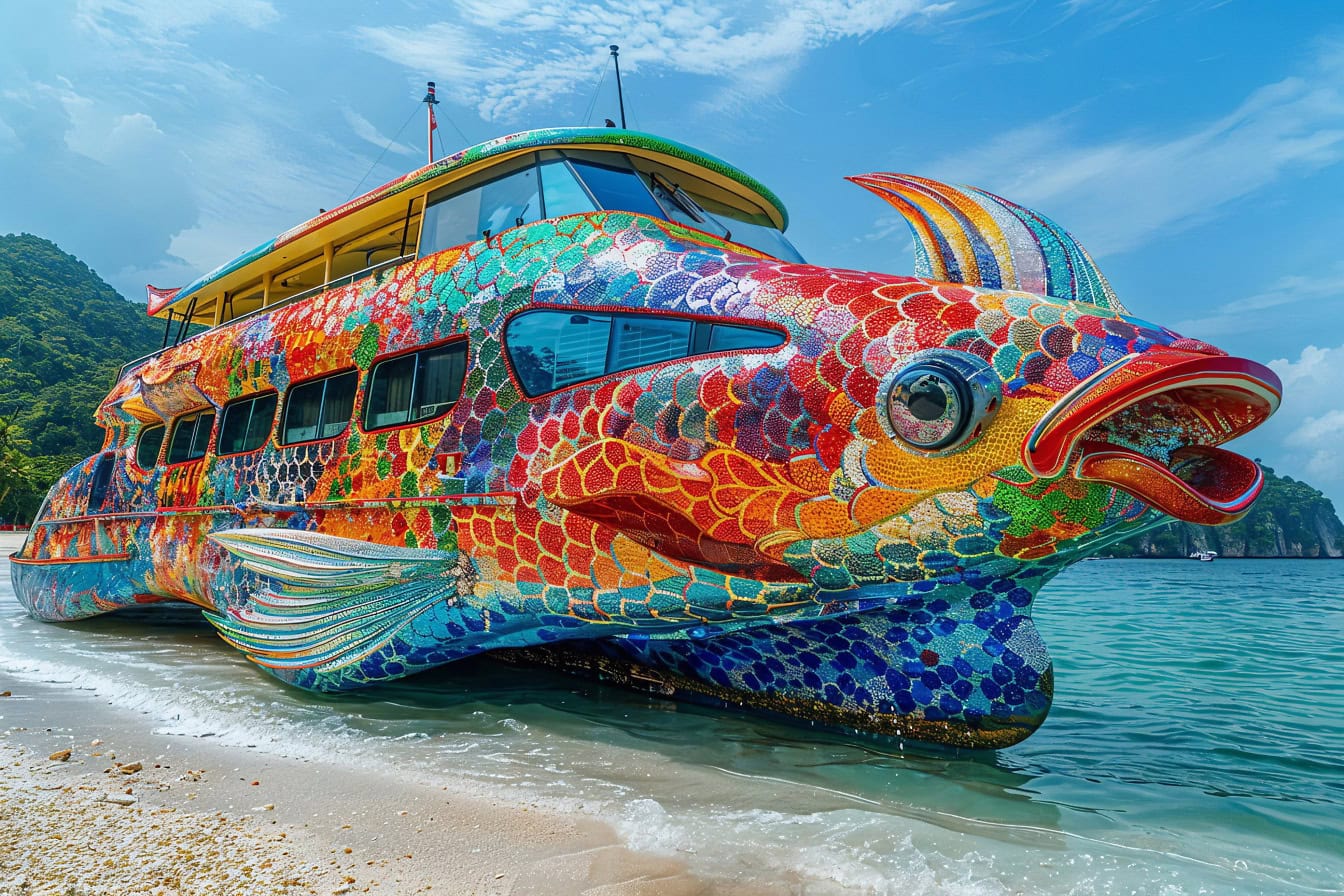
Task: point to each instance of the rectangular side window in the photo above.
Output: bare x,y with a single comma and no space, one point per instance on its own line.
319,409
247,424
416,387
191,437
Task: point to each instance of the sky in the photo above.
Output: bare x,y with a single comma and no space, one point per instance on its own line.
1195,148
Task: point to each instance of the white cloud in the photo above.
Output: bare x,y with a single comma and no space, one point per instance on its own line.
364,129
1309,426
1125,192
156,21
492,53
1239,316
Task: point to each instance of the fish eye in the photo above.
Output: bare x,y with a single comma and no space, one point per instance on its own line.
940,400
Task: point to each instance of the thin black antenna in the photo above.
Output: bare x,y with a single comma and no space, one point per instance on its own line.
619,95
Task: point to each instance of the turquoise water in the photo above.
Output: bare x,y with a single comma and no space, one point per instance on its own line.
1195,745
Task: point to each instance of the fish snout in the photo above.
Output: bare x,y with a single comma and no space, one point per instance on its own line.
1151,423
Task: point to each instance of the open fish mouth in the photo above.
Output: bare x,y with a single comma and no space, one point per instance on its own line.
1150,424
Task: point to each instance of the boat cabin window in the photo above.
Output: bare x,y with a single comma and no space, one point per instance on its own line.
699,204
613,183
550,349
191,436
551,184
506,200
415,387
319,409
247,424
102,477
148,445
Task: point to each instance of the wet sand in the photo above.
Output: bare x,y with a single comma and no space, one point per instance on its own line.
93,801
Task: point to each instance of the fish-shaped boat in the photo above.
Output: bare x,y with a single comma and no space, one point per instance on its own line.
572,397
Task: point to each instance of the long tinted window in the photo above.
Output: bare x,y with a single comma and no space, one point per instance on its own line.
319,409
247,424
552,349
191,436
416,387
148,445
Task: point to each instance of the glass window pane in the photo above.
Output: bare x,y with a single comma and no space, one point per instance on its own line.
261,422
337,404
752,229
303,405
725,338
550,349
204,423
451,222
510,201
233,428
617,189
438,381
183,431
646,339
389,400
148,445
246,425
563,193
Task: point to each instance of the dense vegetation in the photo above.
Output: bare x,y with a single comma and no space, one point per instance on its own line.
64,334
1289,519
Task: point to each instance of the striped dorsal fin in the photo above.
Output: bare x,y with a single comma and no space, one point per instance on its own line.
966,235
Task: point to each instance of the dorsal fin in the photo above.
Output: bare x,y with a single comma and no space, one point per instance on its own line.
966,235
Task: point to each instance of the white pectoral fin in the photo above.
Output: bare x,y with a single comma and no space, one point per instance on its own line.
329,601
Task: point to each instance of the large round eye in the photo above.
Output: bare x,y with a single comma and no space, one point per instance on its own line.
940,400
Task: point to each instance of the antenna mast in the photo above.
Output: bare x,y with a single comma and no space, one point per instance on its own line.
431,101
619,95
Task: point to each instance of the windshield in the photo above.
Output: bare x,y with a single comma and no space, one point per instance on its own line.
551,184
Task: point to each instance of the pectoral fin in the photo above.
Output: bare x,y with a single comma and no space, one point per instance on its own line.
329,602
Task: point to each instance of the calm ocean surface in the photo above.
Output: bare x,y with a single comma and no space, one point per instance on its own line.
1196,745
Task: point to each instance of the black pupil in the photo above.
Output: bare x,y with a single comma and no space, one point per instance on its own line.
927,399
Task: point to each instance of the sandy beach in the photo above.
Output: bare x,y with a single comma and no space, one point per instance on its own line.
93,801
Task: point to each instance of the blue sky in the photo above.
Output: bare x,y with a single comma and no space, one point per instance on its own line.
1195,148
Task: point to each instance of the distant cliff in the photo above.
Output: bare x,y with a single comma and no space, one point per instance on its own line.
1290,519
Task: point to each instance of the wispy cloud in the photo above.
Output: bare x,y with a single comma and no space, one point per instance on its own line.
1121,193
1309,426
120,184
157,21
512,56
364,129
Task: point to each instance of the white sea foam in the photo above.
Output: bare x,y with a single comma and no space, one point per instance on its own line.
1099,808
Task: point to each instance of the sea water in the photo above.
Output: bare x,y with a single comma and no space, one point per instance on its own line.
1195,745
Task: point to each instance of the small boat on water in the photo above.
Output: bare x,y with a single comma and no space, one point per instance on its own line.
1206,556
571,397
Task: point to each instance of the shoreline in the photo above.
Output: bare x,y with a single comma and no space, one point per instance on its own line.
129,810
206,818
201,817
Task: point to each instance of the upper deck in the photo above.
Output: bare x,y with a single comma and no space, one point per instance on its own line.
489,187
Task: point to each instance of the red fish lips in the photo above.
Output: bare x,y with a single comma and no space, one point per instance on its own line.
1150,424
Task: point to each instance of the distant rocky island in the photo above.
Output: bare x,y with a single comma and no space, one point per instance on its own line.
64,333
1290,519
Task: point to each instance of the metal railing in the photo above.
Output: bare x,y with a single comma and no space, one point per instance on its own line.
372,270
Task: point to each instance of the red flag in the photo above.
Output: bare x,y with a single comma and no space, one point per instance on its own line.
159,298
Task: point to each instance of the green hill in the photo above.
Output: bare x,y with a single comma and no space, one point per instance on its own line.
1289,519
64,334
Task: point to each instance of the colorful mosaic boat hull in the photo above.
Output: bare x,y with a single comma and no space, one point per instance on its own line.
621,445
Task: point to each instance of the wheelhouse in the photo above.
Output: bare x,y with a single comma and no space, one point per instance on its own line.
475,194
